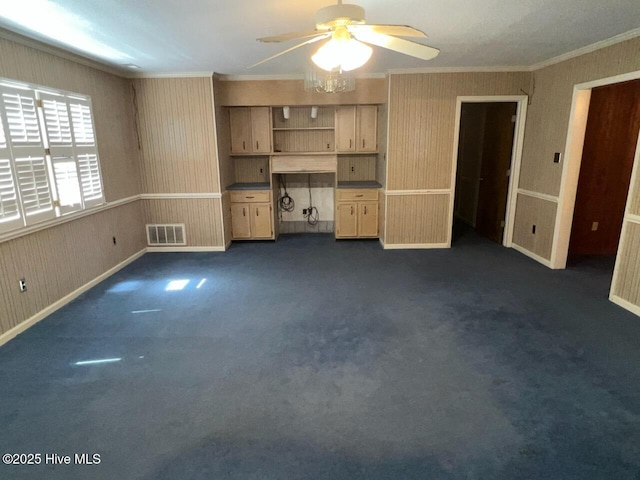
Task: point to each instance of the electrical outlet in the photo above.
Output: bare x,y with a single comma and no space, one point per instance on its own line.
261,170
114,241
304,211
23,285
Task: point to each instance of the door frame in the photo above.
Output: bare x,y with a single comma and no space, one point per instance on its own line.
571,167
521,102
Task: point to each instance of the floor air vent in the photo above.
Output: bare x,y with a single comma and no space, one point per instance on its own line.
172,234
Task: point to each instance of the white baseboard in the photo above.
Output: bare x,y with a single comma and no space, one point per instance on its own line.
185,249
635,309
537,258
21,327
405,246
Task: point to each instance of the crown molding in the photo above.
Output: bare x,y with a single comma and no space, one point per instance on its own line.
60,52
501,69
293,76
203,74
623,37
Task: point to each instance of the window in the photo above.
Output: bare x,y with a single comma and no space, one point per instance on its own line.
49,164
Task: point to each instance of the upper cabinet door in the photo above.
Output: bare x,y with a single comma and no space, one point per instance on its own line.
367,128
260,130
240,123
346,129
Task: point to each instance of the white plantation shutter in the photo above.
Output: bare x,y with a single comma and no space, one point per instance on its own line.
86,152
20,113
57,124
10,217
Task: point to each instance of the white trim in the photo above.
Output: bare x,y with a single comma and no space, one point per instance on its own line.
386,160
623,37
62,53
406,246
572,161
621,302
166,196
477,69
541,196
184,249
435,191
169,74
623,77
531,255
293,76
632,218
515,163
65,219
22,326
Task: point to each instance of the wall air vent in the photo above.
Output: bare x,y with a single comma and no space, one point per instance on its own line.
166,235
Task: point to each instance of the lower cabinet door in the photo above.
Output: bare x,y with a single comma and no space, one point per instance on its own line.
368,219
240,220
346,220
261,220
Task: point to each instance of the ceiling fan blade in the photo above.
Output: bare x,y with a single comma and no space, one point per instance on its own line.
399,45
395,30
291,36
312,40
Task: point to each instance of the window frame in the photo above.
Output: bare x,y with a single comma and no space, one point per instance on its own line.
53,154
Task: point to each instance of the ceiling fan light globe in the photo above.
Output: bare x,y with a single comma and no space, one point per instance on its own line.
354,55
346,54
328,55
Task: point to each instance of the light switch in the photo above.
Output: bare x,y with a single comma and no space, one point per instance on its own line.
594,226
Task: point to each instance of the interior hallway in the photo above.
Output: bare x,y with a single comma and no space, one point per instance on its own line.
315,359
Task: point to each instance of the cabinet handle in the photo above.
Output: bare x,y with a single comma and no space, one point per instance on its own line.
257,212
359,195
365,209
257,145
351,209
363,143
244,145
248,197
244,212
349,143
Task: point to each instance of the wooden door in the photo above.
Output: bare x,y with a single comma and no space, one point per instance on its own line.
345,129
346,220
368,219
367,128
240,220
260,130
240,123
494,172
605,172
261,220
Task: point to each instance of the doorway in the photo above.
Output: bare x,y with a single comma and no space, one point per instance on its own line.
611,134
486,140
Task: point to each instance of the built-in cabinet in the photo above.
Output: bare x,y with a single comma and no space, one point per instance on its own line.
260,135
251,215
356,128
356,213
250,130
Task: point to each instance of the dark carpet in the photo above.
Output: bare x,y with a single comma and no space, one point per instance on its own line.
315,359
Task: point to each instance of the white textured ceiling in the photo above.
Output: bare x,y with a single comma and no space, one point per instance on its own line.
215,35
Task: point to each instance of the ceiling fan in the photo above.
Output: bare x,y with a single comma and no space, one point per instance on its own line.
347,48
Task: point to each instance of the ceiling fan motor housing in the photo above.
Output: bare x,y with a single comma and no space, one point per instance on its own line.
333,16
